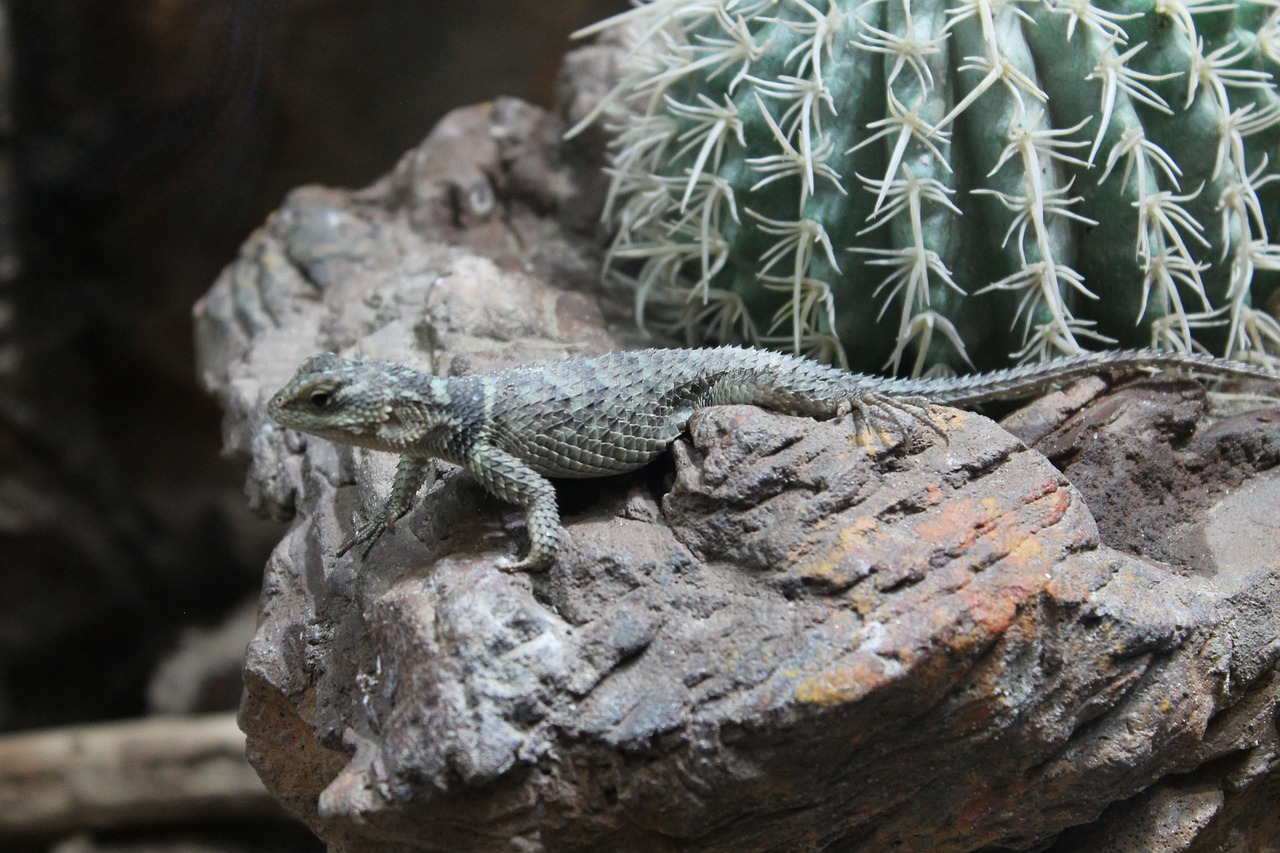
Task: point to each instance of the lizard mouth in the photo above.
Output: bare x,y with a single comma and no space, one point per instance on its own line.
275,406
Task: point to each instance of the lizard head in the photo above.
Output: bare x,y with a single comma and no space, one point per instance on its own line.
357,402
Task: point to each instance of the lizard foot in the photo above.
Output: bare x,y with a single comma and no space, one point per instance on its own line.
880,413
529,563
366,535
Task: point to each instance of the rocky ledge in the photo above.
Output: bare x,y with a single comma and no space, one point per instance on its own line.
773,639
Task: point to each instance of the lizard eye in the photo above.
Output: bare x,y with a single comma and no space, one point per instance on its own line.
319,399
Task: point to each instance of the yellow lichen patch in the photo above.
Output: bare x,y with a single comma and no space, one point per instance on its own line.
862,600
859,530
1028,549
874,442
845,561
843,684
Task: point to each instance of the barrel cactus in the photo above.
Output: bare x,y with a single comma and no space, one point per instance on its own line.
954,183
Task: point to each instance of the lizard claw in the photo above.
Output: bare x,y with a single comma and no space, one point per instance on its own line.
367,535
898,414
529,563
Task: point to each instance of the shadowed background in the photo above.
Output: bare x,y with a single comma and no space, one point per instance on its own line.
141,141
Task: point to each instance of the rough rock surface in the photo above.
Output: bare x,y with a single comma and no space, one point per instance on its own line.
772,640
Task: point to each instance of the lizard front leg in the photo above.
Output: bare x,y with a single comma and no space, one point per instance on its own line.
509,479
411,473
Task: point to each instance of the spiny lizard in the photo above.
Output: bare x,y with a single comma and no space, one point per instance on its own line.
589,417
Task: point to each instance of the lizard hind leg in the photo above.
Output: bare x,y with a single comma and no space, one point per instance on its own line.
880,414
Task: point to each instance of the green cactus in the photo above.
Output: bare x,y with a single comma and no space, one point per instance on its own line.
950,183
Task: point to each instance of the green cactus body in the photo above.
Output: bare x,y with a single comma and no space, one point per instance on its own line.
910,184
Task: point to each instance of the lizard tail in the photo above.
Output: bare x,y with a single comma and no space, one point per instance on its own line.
1015,382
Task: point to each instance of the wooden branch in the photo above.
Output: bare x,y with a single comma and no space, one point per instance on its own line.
127,773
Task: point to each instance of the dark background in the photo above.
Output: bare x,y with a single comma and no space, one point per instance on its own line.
141,141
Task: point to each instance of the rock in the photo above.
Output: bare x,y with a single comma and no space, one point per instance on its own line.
202,673
774,639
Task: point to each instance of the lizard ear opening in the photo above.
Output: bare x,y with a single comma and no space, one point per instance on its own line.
398,431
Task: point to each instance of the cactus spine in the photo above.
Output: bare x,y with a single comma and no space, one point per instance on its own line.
907,184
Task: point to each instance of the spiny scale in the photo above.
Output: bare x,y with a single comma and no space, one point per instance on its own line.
587,417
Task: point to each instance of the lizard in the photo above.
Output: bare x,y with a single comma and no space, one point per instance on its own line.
592,416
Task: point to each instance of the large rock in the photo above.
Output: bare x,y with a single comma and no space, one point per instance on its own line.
775,638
